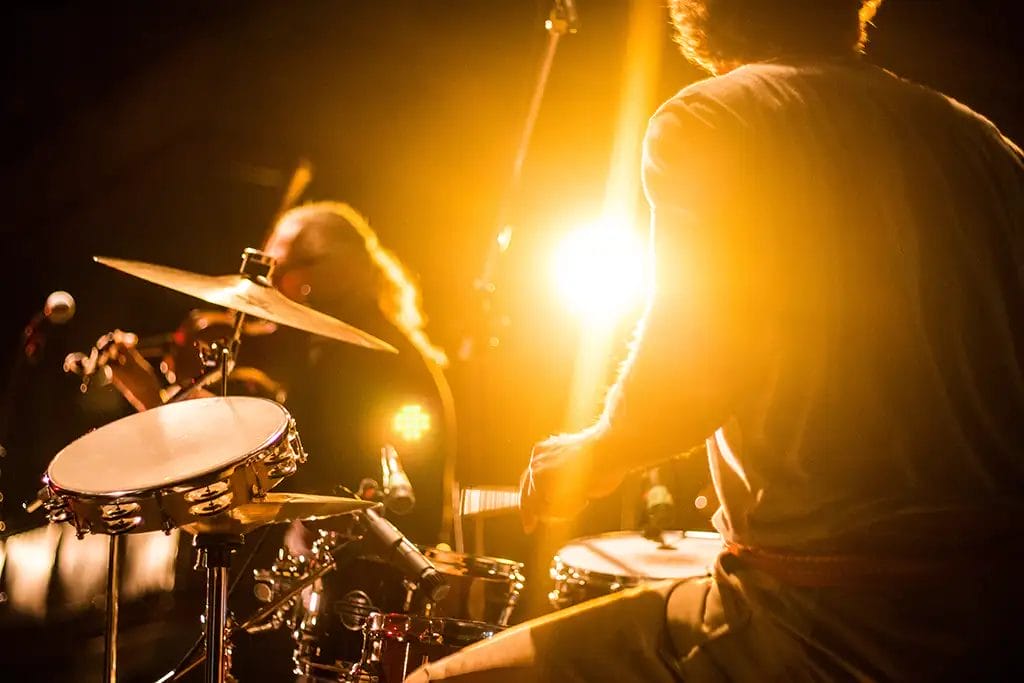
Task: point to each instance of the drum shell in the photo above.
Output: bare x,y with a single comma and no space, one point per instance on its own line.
199,500
576,578
330,634
573,585
396,644
481,589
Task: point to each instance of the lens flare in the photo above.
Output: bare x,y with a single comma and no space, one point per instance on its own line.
599,270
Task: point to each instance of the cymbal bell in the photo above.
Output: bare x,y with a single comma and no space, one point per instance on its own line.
250,295
277,508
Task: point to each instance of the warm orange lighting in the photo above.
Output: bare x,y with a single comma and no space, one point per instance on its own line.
411,422
599,270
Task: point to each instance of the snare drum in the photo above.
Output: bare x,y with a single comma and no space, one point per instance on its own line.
173,466
599,565
396,644
481,589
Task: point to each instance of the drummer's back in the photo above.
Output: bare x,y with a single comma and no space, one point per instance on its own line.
897,308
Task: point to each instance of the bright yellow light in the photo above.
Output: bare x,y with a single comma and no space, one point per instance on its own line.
599,270
411,422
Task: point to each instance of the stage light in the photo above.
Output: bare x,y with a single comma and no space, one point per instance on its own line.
411,422
599,270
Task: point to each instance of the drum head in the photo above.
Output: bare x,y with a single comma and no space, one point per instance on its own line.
627,554
168,445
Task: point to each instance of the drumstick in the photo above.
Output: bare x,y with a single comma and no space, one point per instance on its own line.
301,178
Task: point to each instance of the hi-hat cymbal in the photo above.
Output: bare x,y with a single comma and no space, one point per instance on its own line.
251,296
277,508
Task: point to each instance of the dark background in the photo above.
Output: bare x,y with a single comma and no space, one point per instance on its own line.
166,132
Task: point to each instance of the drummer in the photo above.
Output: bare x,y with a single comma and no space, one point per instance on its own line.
344,399
840,311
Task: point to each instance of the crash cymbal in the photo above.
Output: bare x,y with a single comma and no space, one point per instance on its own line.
252,296
277,508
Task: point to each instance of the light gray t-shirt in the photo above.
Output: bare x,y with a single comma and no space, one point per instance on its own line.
860,239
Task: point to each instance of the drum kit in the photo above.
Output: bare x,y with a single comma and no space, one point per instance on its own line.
364,604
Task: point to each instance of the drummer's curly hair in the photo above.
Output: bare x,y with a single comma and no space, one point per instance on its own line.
716,33
398,297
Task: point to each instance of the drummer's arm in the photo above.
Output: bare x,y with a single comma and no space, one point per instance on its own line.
134,377
131,374
688,364
700,345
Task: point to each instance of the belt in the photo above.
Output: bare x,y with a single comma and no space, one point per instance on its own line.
834,571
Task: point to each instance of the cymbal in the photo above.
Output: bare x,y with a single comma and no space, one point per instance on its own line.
252,296
277,508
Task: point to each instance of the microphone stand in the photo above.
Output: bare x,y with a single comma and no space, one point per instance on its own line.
486,322
562,19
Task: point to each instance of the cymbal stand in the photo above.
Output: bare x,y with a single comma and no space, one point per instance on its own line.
215,555
215,549
258,267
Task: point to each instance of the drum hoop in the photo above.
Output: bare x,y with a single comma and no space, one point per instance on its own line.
377,621
491,566
193,481
564,571
184,486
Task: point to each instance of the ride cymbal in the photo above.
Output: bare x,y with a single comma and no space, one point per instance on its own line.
250,295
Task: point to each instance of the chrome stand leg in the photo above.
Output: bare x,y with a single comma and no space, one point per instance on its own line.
113,588
215,552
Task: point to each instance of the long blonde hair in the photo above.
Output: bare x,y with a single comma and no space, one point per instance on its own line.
398,297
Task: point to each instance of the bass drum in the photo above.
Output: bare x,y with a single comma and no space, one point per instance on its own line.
595,566
332,630
333,616
396,644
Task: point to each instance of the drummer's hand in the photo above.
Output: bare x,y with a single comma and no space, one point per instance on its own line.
298,539
132,374
560,480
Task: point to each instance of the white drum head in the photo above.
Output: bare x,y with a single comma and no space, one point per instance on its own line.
627,554
168,445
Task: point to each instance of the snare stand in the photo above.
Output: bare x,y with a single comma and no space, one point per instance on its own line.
215,555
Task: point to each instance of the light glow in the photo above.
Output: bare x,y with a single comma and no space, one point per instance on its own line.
411,422
599,270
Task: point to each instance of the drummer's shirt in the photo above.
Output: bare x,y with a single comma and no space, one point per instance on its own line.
840,253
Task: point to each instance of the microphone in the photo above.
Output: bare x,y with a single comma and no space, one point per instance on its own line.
659,508
398,494
566,11
400,552
58,309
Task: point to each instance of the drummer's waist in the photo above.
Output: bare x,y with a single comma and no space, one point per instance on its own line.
930,547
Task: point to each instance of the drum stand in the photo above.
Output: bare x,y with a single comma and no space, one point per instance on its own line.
215,556
113,588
